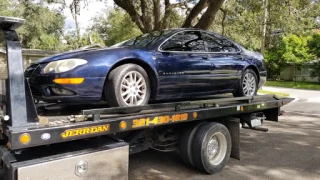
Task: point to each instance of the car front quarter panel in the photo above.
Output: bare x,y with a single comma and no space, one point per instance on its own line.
94,72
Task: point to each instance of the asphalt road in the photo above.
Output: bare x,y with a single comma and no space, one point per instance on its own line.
289,150
307,101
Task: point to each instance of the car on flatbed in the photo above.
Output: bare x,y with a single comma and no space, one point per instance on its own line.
161,65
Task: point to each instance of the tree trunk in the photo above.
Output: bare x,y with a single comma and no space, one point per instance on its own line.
130,9
195,12
156,15
264,26
75,10
223,20
207,18
147,16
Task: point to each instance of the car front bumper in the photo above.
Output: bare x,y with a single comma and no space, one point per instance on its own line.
263,78
41,87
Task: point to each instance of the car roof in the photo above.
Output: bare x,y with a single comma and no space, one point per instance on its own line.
183,29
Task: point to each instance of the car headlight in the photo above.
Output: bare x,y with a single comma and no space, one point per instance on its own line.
63,65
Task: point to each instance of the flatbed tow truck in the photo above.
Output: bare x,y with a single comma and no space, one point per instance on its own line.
62,142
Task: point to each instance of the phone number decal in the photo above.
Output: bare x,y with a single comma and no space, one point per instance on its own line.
136,123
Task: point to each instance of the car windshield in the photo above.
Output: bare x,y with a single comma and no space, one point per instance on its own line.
144,40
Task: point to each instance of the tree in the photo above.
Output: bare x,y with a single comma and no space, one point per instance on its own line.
148,16
292,49
42,26
74,6
314,44
243,20
115,26
315,70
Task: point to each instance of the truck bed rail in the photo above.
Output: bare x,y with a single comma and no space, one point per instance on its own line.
110,120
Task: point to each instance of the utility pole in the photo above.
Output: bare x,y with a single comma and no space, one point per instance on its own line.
264,25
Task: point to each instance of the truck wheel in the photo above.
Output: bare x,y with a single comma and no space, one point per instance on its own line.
211,148
127,85
185,143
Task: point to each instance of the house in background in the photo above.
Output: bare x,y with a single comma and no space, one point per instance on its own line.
28,55
298,73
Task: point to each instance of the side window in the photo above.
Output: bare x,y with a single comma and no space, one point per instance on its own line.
216,44
189,41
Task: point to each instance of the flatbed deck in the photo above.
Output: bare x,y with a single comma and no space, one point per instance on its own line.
104,121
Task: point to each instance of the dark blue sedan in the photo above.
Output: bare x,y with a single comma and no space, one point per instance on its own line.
162,65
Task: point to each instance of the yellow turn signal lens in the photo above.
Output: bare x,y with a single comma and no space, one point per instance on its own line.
25,138
68,80
123,125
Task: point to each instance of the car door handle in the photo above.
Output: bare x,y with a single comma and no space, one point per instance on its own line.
205,57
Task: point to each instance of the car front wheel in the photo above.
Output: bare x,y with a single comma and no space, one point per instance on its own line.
248,84
127,85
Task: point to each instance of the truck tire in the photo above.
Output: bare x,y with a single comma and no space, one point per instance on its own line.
211,148
185,143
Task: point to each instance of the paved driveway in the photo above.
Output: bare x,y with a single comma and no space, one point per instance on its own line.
308,101
289,150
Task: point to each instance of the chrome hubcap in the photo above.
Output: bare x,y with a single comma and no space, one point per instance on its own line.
133,88
217,148
249,84
213,147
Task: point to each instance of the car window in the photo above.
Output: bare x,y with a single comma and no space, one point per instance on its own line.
219,44
189,41
144,40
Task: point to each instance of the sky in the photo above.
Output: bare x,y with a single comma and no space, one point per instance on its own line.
86,13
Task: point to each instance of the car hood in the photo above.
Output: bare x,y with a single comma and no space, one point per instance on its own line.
80,54
256,55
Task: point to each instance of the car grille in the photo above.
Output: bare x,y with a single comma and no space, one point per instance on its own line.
30,70
35,91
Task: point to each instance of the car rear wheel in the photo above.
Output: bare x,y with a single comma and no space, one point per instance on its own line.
127,85
248,84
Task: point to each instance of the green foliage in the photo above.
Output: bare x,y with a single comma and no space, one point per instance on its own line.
116,26
315,70
291,49
294,49
243,22
42,28
314,44
295,85
5,9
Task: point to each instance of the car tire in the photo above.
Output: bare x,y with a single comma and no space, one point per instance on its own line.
241,91
211,148
123,81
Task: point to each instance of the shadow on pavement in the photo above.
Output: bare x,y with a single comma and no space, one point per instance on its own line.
290,150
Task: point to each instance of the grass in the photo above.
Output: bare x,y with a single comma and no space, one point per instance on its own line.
279,94
297,85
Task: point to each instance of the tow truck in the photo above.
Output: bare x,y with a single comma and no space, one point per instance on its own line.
80,142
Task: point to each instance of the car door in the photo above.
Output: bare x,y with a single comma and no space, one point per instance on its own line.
184,65
227,61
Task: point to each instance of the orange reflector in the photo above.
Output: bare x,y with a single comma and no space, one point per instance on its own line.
241,108
8,145
24,138
68,80
123,125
